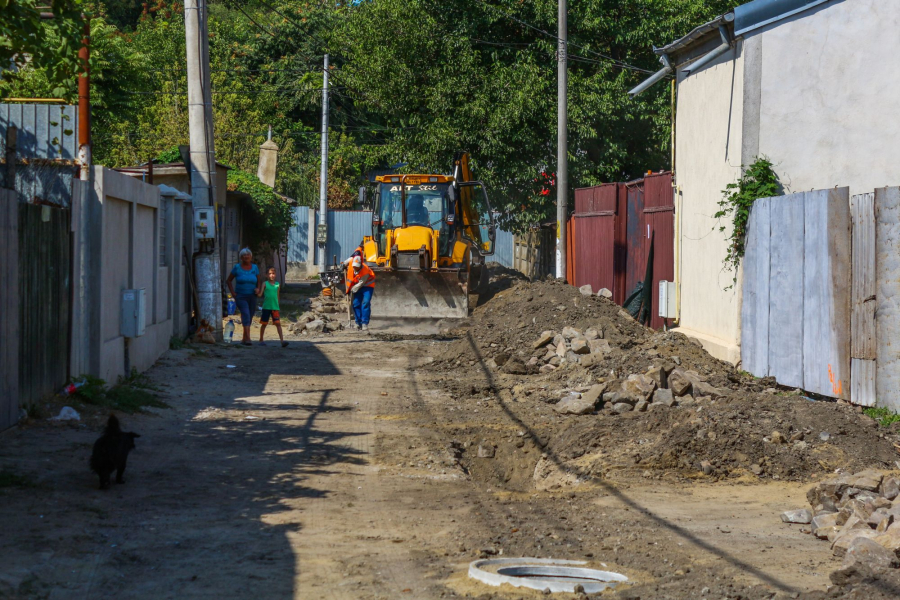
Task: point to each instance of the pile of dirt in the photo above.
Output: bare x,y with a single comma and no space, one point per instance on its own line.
581,412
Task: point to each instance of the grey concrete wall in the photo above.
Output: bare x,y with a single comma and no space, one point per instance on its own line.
124,254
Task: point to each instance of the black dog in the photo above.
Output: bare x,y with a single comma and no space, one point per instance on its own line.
111,452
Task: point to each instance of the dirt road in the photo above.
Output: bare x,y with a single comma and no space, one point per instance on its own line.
329,469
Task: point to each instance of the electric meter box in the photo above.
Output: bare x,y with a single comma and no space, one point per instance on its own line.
134,312
667,299
204,222
322,233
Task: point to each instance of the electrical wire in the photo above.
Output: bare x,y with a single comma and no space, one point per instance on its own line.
615,61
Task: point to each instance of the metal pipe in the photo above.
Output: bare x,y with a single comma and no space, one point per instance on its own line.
724,47
84,104
655,78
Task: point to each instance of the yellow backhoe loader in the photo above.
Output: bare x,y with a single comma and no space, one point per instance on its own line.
430,236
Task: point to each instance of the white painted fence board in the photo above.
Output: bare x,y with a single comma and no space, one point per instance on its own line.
887,311
786,290
826,295
862,328
755,304
862,380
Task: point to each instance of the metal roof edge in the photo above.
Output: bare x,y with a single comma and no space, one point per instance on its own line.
696,34
759,13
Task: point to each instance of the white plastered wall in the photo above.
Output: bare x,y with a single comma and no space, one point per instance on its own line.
707,158
829,90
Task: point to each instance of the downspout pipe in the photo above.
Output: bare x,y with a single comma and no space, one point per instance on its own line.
724,47
655,78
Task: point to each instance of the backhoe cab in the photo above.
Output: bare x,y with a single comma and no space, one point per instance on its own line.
430,234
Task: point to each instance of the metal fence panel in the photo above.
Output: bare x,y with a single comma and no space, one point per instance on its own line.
298,244
44,130
503,249
9,308
346,228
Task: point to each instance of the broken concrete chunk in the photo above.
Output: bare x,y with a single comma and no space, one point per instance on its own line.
622,407
547,368
575,404
605,293
658,375
827,521
869,553
679,383
592,333
826,533
586,290
664,397
561,349
706,467
580,346
315,326
639,386
570,332
595,393
802,516
777,438
846,537
545,338
701,388
890,487
599,346
869,480
641,406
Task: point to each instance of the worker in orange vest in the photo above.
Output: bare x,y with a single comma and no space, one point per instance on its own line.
362,286
360,252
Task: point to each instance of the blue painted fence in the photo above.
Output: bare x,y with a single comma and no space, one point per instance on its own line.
347,227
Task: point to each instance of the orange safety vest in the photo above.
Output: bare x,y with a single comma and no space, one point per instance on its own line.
360,253
354,278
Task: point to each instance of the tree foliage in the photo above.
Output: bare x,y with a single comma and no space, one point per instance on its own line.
269,218
414,82
28,41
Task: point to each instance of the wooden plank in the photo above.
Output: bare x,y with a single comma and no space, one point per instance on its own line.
755,301
862,382
826,296
786,290
862,328
887,309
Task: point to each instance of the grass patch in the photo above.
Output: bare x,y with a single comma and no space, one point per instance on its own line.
883,415
176,342
35,411
131,394
9,479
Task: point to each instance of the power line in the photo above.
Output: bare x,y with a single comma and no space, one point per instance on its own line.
261,28
615,61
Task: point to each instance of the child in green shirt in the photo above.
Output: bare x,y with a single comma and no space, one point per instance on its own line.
270,292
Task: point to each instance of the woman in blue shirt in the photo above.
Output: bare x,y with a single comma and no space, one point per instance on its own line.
244,282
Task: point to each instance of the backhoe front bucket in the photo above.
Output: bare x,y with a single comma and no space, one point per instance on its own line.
419,295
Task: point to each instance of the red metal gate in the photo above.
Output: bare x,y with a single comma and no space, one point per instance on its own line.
614,226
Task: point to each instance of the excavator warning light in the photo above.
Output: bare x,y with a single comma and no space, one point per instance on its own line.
432,179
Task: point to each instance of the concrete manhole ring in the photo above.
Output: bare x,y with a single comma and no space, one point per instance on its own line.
543,573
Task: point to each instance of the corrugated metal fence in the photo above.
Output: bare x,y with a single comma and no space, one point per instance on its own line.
9,309
43,311
347,227
46,147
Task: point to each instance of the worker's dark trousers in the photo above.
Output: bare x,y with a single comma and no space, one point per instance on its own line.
362,305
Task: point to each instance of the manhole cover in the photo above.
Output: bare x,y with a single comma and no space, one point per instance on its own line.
543,573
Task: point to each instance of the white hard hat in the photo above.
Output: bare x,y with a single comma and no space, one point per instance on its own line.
357,261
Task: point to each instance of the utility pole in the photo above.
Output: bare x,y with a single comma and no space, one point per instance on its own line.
562,156
322,232
202,159
84,104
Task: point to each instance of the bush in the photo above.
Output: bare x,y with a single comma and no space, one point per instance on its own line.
131,394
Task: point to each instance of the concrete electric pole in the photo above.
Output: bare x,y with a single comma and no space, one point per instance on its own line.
562,156
322,231
202,159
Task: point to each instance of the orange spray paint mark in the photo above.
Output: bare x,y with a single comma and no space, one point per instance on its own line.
836,388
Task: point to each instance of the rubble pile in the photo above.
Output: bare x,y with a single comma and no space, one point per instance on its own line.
324,314
859,515
598,391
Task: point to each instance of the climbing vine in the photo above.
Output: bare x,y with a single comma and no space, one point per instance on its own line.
270,217
757,181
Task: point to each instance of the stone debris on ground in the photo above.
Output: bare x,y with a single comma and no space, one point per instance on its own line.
323,314
858,514
667,408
